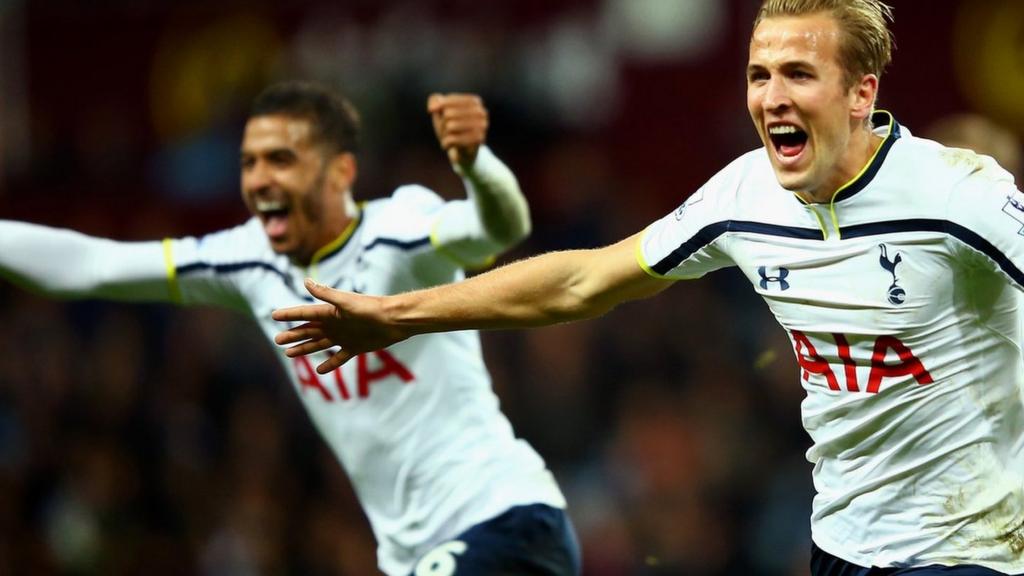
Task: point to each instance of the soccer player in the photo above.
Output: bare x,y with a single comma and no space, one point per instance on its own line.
891,262
447,487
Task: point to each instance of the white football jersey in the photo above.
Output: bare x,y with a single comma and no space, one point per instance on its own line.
899,300
416,426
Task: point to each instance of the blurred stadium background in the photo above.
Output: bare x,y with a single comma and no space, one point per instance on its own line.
157,440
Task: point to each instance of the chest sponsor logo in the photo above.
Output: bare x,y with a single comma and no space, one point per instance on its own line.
896,294
777,278
370,368
1014,208
890,358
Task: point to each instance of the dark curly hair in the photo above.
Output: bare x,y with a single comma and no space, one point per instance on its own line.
334,120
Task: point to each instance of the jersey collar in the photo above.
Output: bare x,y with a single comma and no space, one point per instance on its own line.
335,246
881,120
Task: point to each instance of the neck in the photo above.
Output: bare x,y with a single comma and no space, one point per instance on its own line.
334,227
862,147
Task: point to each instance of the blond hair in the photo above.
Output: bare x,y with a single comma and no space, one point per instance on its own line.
867,43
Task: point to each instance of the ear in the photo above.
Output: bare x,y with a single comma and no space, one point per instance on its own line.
862,97
342,170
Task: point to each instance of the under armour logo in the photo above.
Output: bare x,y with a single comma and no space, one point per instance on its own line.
1014,208
897,295
780,278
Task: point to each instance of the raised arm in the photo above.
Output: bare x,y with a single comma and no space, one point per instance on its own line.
547,289
495,214
68,264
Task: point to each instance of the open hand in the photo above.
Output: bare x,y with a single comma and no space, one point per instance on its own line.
354,322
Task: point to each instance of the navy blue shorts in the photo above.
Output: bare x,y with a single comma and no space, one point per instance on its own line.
536,540
825,564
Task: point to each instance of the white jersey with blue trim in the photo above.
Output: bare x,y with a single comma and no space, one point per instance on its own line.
416,426
899,300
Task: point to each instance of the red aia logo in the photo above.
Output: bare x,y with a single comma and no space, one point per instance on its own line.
386,367
814,363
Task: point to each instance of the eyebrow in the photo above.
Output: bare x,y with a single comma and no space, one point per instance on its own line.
790,65
267,151
784,67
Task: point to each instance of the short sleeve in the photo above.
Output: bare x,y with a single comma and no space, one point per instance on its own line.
415,215
686,243
209,270
986,213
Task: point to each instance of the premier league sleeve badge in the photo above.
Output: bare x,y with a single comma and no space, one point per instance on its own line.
1014,208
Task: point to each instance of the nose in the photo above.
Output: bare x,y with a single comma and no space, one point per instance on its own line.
256,177
776,95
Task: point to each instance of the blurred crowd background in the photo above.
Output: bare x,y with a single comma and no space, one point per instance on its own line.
150,439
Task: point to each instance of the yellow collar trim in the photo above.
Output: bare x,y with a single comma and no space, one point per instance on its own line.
334,245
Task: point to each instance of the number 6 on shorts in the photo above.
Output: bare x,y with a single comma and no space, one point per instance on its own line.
441,560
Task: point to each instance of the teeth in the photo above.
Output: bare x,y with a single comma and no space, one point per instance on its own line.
774,130
270,205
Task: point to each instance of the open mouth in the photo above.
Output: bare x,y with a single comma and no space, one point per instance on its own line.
787,139
274,214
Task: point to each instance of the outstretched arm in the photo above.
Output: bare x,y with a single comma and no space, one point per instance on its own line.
547,289
495,215
67,264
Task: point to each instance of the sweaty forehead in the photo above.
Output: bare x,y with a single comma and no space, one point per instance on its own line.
277,131
778,39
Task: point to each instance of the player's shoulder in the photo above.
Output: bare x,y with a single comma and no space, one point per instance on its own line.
753,169
246,241
948,167
970,189
735,191
406,215
414,198
745,187
748,171
241,249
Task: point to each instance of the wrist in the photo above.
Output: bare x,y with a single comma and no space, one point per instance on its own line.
399,312
484,162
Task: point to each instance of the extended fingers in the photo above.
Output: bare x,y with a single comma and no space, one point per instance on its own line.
308,331
305,312
334,362
308,347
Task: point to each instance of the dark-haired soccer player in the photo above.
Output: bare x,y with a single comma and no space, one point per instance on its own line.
447,487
